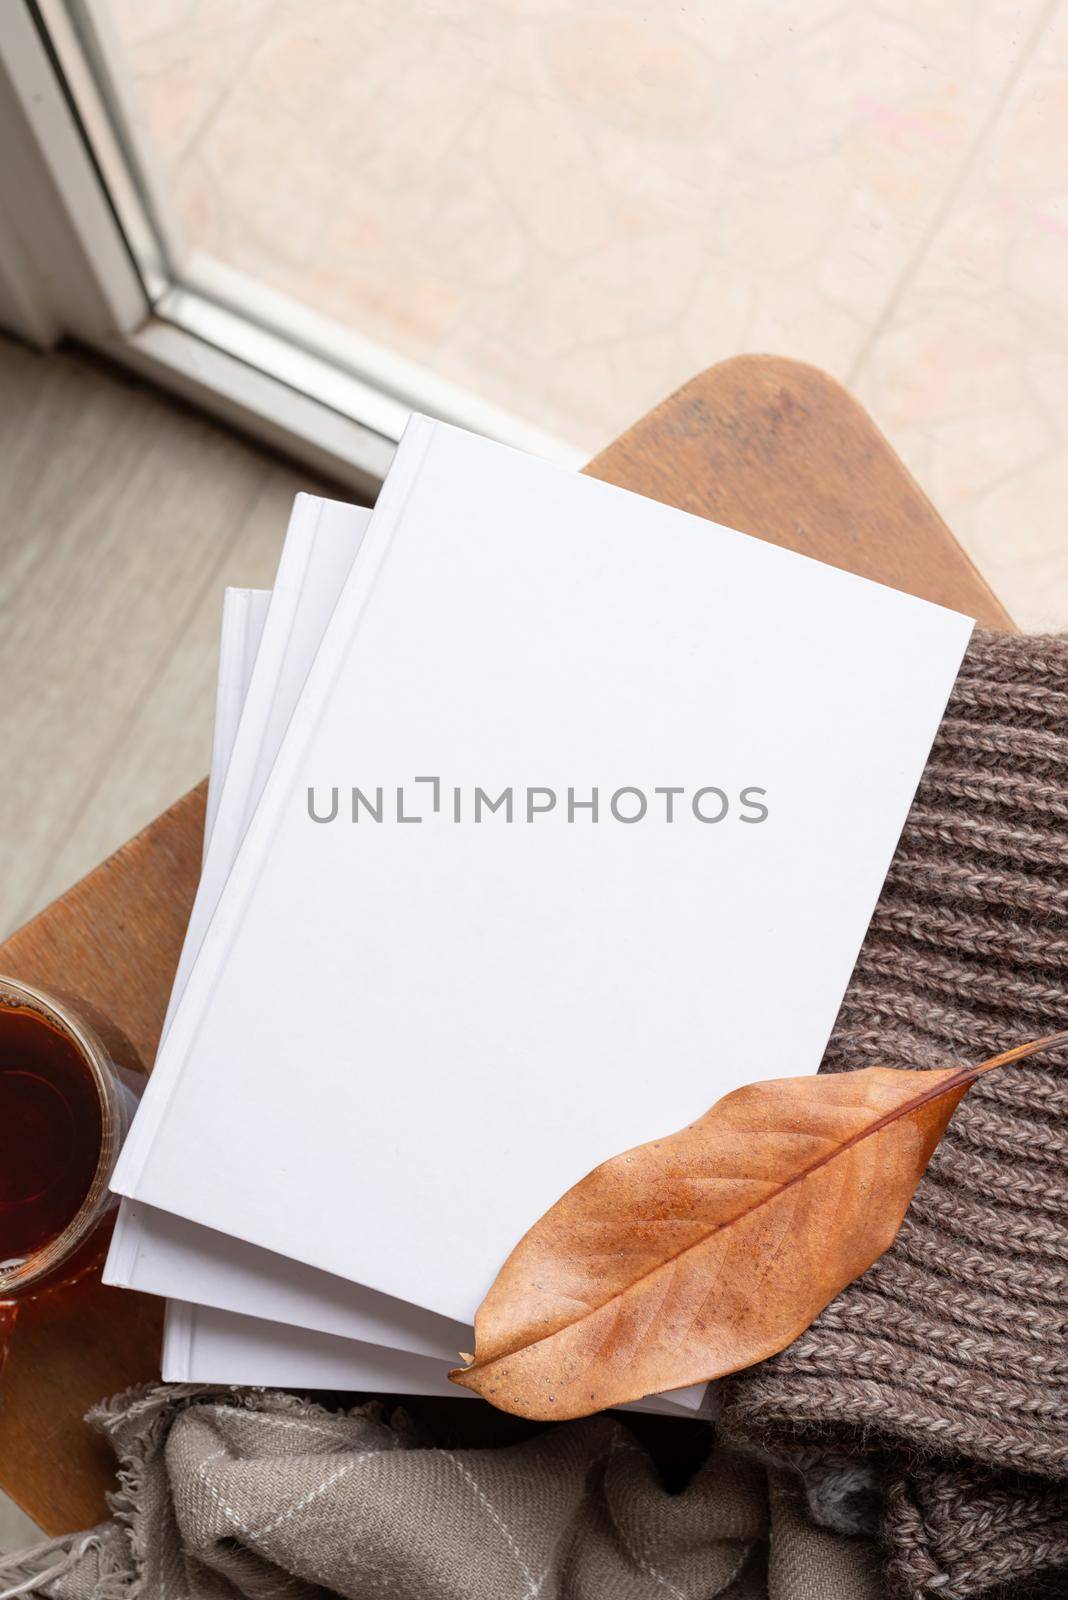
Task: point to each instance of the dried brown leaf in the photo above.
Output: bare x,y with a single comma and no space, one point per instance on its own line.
709,1250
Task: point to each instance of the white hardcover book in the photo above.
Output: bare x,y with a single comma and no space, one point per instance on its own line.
155,1251
321,543
211,1344
184,1261
205,1345
202,1344
427,1032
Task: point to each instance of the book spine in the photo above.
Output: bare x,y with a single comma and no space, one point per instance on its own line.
228,698
244,618
122,1251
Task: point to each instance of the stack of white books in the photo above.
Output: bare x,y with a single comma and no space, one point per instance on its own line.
541,815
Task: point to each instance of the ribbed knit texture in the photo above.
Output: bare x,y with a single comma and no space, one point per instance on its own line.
950,1356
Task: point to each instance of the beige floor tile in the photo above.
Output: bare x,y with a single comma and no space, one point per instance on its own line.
969,372
190,53
570,211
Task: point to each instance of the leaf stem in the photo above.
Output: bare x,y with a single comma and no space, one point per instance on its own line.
1019,1052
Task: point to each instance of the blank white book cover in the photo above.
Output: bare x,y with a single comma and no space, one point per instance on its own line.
389,1346
426,1033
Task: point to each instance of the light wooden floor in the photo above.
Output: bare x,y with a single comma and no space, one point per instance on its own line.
124,516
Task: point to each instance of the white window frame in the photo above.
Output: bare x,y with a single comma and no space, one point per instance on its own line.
89,251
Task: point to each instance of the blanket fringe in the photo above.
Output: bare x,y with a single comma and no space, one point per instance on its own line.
36,1569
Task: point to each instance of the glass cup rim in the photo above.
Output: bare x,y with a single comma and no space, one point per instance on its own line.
52,1009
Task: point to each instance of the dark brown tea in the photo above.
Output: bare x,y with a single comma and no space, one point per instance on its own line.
51,1131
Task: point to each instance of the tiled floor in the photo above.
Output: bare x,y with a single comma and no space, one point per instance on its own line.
571,209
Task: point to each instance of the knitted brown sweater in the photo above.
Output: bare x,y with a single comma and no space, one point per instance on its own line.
948,1360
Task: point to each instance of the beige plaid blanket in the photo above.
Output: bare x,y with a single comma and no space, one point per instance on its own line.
227,1493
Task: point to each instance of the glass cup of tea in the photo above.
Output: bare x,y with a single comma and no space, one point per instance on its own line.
69,1085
